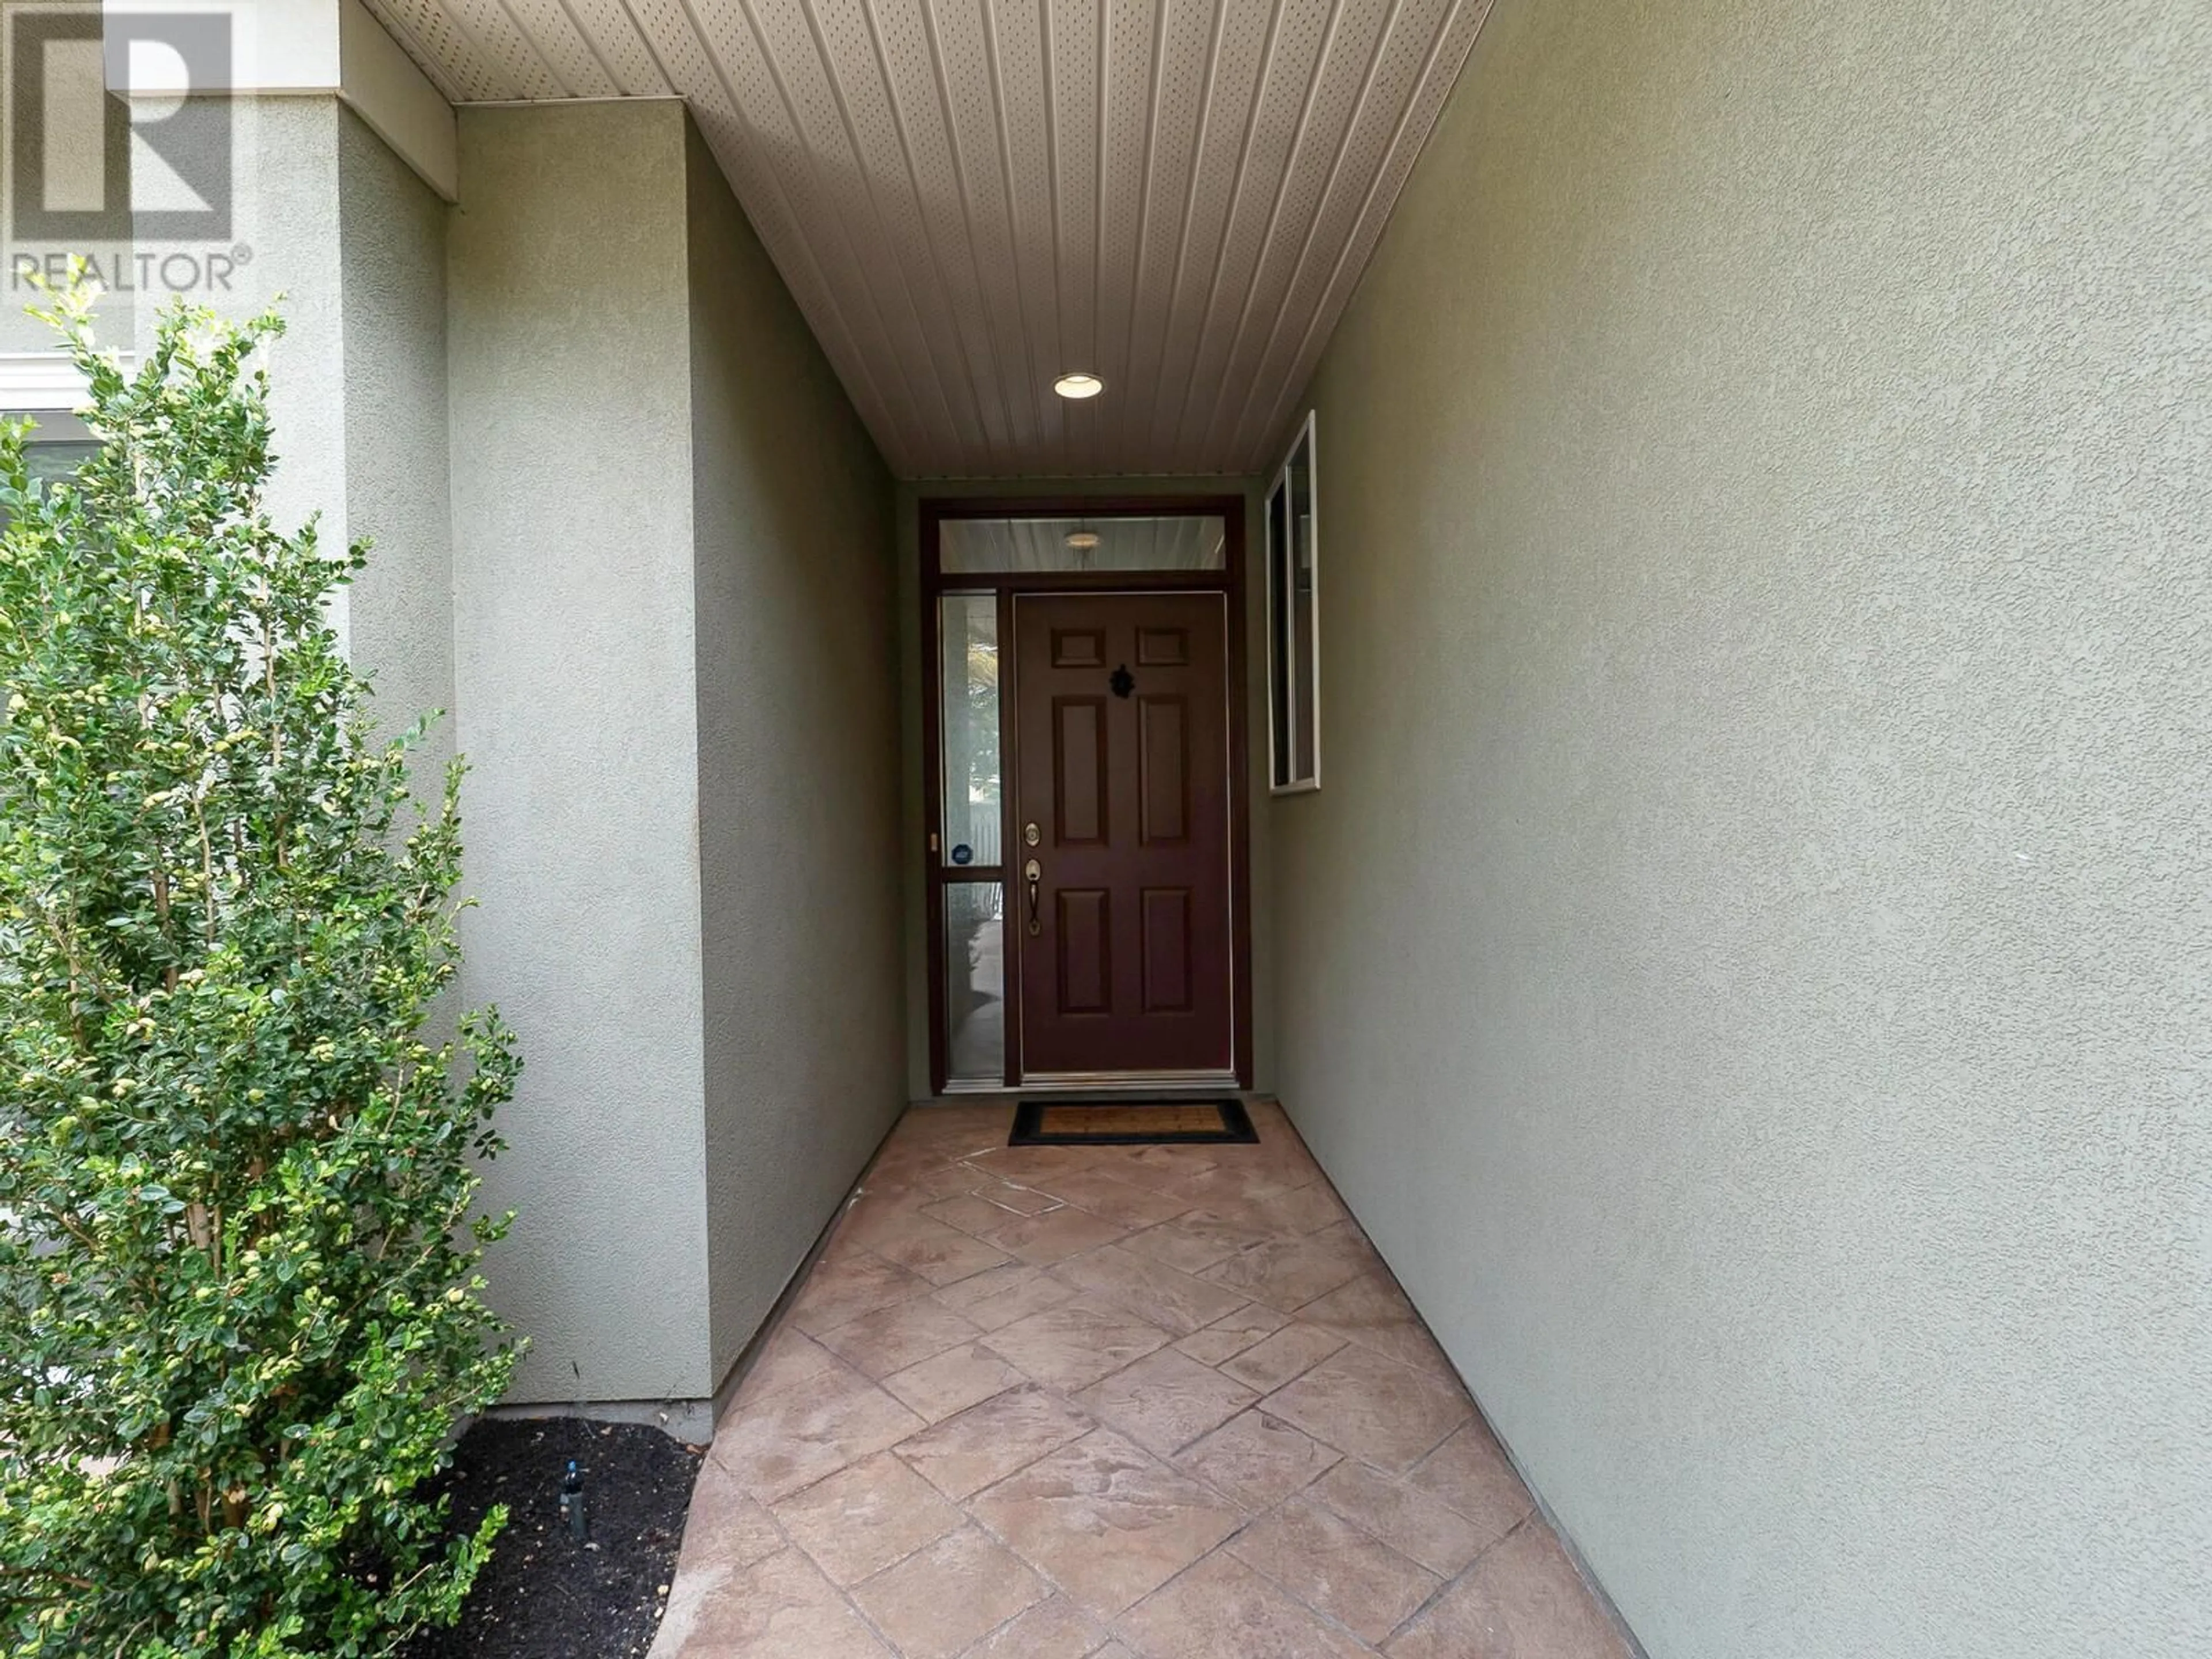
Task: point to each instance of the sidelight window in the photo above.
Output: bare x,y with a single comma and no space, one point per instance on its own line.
969,631
971,893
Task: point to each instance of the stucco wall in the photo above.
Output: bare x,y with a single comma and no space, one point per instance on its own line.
799,768
391,231
287,204
346,245
1750,965
349,247
569,334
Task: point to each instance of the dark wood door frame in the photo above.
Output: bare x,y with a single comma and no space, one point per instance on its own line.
935,584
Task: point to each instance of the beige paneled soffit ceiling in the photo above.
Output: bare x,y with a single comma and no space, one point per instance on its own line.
970,197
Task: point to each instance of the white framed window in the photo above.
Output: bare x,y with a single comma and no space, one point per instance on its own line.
1294,622
47,388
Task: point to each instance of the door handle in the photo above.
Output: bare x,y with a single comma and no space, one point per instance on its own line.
1033,873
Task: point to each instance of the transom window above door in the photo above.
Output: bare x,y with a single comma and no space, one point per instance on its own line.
977,547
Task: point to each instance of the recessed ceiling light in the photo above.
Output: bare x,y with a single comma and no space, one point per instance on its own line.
1079,386
1083,540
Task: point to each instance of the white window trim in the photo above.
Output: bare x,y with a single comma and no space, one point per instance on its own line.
1303,435
41,383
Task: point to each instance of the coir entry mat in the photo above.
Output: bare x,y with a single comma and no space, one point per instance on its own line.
1131,1123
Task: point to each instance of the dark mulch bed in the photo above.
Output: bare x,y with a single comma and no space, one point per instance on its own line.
544,1595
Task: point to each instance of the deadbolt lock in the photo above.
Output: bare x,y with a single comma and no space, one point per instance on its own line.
1029,834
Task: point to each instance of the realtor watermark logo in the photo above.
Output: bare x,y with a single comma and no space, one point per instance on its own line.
120,149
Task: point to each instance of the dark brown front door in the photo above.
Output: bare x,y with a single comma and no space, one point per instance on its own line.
1121,890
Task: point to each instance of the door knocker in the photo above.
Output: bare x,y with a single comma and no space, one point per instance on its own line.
1122,681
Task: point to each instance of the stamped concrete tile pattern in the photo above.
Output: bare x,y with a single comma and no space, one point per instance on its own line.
1411,1522
866,1516
941,1600
1194,1242
1284,1356
986,1442
1057,1234
1289,1272
952,1382
1157,1402
1003,1295
973,1213
1225,1610
788,1357
891,1338
1373,1312
1257,1460
941,1254
1055,1629
1335,1569
1107,1196
1469,1473
1165,1401
1225,1339
847,1285
1150,1289
1107,1520
1380,1412
781,1608
1522,1600
1073,1345
808,1431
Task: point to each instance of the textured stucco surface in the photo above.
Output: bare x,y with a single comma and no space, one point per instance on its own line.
914,889
392,233
569,357
288,202
1750,966
799,768
349,247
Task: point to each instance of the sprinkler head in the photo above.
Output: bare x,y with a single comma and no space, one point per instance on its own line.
572,1502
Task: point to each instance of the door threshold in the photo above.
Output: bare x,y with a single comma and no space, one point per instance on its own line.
1092,1082
1112,1082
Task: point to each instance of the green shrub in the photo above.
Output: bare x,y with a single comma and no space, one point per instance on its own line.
239,1314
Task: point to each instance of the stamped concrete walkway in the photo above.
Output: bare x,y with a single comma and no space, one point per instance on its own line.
1052,1403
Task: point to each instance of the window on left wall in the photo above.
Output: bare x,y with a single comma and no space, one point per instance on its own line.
46,388
57,447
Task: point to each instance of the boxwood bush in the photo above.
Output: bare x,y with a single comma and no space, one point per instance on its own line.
240,1311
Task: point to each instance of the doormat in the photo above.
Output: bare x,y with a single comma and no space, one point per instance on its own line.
1131,1123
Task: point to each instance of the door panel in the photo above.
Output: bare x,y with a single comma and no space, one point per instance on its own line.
1078,771
1077,648
1162,770
1167,949
1083,939
1163,647
1122,764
